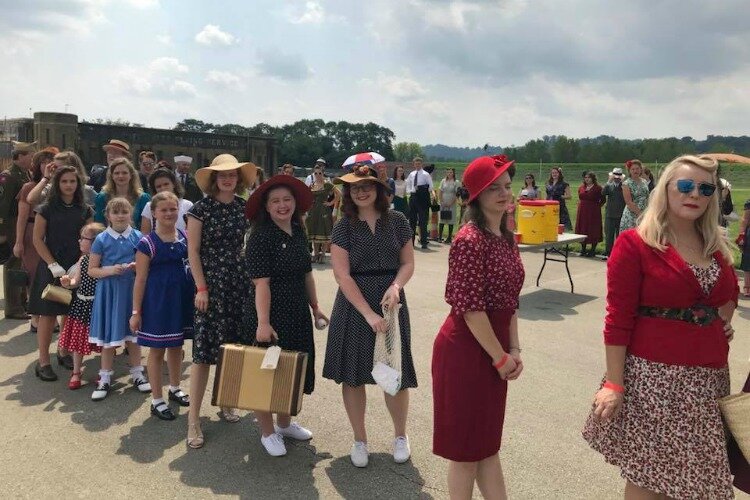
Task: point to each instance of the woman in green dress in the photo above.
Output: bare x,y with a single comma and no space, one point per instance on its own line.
635,191
319,222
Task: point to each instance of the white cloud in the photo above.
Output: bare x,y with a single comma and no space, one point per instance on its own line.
211,34
313,14
181,87
225,79
169,65
164,39
400,87
144,4
282,65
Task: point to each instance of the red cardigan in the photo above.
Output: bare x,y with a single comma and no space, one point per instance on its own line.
638,275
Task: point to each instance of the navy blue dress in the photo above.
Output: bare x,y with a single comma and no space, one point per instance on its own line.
167,307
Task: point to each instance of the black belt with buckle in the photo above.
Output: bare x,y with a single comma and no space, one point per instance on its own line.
698,314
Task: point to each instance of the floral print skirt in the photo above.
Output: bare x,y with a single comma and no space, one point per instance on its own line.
668,436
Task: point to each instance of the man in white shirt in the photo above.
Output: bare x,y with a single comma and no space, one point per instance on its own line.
420,189
320,162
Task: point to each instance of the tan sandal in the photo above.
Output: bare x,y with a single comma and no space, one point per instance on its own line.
228,415
196,440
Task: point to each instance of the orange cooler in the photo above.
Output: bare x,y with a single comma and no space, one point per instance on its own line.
531,221
551,219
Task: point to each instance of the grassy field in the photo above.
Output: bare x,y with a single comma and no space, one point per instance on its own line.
737,175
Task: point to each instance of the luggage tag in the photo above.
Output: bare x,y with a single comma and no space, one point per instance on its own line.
271,359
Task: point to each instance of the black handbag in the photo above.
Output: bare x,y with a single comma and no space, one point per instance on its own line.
17,277
446,214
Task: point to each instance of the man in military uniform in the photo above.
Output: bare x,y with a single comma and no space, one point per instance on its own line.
11,181
183,165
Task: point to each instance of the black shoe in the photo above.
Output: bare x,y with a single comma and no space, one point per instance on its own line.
162,411
32,328
45,373
179,397
101,392
448,241
65,361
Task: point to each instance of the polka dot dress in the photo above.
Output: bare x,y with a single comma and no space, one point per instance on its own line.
75,334
285,259
374,260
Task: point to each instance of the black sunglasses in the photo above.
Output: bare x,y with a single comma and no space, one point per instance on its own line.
686,186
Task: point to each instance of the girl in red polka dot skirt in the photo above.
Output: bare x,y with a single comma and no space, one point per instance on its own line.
75,334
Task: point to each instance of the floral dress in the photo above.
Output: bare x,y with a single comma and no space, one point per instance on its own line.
222,236
639,192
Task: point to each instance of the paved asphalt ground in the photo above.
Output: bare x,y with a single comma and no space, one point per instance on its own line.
58,443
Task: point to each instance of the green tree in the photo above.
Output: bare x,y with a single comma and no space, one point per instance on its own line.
565,150
406,151
193,125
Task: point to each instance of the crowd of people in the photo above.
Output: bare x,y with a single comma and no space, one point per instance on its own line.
148,267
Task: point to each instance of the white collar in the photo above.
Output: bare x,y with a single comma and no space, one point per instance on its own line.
116,235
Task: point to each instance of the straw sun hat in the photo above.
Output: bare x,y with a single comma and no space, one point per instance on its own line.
225,163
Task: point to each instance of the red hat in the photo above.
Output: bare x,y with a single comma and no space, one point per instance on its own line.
302,194
482,172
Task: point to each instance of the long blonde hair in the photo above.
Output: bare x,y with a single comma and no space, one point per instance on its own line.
134,187
654,227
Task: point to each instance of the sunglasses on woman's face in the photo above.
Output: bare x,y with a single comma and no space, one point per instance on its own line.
686,186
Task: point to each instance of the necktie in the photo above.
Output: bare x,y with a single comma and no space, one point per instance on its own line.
183,179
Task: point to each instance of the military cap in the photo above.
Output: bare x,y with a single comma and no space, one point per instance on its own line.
24,147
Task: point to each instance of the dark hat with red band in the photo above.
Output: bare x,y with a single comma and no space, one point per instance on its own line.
483,171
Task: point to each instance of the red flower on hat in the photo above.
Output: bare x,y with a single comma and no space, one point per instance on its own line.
628,163
362,170
500,160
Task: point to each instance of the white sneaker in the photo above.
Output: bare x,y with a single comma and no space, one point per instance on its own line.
294,431
401,449
274,445
359,454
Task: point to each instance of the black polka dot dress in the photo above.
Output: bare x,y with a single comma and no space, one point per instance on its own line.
285,259
374,260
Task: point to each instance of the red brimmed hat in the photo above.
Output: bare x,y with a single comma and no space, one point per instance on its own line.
303,197
482,172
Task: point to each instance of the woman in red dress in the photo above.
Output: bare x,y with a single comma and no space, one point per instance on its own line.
477,351
589,215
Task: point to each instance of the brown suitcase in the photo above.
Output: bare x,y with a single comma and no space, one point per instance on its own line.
241,383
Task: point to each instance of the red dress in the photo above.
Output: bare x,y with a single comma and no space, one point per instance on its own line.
589,215
485,273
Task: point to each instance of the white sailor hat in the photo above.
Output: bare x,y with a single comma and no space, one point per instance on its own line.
183,158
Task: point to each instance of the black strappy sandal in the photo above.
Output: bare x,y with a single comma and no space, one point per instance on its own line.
179,397
162,411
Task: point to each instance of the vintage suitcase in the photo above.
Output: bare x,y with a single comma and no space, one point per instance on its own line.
241,383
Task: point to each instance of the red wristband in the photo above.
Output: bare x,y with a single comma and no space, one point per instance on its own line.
614,387
203,289
502,361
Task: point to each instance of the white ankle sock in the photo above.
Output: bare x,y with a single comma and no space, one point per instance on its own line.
136,371
155,402
174,388
105,376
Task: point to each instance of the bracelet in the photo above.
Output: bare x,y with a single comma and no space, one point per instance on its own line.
502,361
202,289
614,387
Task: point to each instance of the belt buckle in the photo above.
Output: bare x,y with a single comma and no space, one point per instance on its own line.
702,315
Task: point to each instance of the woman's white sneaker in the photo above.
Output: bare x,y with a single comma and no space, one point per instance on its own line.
274,445
294,431
359,454
401,449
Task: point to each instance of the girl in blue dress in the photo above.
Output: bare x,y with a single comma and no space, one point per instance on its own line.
163,300
112,262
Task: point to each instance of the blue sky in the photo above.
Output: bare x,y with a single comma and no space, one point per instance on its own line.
456,72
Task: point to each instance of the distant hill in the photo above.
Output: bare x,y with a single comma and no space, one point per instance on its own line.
441,152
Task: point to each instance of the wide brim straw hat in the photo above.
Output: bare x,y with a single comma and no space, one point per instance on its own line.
303,196
224,163
361,173
482,172
120,146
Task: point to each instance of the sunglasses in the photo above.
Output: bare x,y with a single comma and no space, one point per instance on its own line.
686,186
364,188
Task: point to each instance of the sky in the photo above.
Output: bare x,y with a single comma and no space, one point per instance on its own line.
462,73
